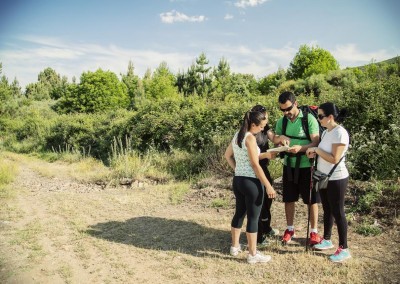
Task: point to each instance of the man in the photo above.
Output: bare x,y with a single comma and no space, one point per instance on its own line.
297,167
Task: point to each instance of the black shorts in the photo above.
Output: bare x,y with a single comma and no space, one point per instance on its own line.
292,191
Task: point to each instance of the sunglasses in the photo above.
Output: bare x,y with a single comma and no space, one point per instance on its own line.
259,109
321,117
287,109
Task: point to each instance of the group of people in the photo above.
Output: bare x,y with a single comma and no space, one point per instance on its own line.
252,184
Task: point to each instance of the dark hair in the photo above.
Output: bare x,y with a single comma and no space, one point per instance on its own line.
262,139
259,108
331,109
286,96
249,117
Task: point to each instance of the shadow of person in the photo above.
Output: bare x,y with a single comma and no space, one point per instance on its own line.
164,234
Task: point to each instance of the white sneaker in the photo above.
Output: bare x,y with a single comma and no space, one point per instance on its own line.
235,251
258,257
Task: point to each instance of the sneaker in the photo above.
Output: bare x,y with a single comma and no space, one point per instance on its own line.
258,257
287,236
323,245
235,251
314,239
272,233
264,243
340,255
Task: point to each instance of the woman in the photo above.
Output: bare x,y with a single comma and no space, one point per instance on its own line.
331,149
242,155
264,223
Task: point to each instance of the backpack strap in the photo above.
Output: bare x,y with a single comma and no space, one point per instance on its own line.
284,125
304,124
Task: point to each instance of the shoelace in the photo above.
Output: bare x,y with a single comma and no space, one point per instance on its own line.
338,250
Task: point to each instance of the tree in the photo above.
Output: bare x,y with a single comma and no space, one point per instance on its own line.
97,91
269,83
311,60
49,85
131,81
201,68
162,84
221,84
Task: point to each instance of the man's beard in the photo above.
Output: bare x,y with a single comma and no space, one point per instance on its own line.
289,115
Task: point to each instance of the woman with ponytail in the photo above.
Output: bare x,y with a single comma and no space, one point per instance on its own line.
242,155
331,151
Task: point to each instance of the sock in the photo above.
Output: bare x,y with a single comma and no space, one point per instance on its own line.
290,228
313,230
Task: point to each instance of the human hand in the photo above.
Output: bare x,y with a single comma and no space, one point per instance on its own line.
294,149
271,193
311,152
284,140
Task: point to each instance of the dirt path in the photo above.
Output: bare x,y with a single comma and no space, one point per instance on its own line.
57,230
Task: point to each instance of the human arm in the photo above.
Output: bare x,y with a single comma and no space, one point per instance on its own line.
251,145
229,156
267,155
303,148
334,157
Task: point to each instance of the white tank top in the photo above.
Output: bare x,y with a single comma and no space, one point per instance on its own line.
243,165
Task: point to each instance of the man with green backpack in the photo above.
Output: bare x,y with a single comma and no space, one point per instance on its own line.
299,129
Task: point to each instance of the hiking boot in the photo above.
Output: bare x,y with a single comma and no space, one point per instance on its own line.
287,236
341,254
235,250
323,245
258,257
272,233
314,239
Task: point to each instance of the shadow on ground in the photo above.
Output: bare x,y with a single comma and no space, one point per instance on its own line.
164,234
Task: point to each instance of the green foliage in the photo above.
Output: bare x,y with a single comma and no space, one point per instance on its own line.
162,84
271,82
49,85
97,91
133,85
311,60
220,203
366,229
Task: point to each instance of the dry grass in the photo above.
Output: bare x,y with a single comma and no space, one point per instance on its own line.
158,234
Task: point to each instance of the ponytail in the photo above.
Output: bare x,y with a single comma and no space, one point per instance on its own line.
249,117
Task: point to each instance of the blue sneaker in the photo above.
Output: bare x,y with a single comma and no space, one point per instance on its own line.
340,255
323,245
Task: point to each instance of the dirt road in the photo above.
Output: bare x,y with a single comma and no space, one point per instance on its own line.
58,230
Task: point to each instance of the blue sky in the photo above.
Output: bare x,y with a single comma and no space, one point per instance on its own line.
254,36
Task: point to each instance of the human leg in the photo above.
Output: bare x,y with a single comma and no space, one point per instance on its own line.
290,196
238,217
328,218
336,194
326,242
306,188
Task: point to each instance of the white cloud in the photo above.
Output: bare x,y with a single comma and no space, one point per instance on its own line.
348,55
71,59
228,17
249,3
175,16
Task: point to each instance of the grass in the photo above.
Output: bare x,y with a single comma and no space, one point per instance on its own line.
155,234
220,203
177,192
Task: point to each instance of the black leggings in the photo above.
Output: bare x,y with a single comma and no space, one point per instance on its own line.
249,195
264,222
332,199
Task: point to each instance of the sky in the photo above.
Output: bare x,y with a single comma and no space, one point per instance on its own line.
255,36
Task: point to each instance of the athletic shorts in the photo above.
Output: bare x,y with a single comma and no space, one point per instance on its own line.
292,191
